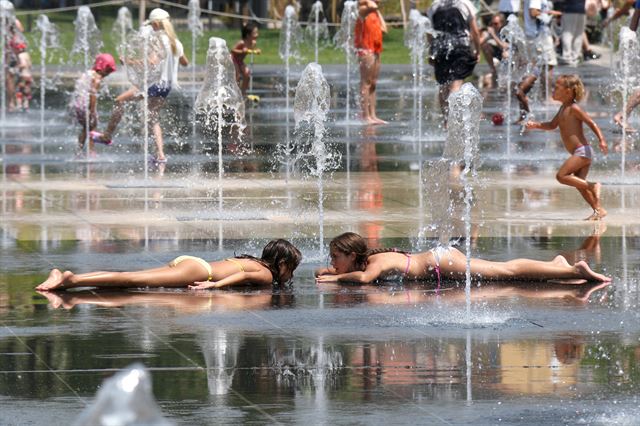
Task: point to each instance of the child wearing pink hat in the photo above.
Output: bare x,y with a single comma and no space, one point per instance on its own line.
84,103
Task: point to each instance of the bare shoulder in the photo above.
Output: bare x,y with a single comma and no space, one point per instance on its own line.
575,109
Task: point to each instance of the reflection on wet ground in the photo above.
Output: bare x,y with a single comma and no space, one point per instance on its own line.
396,353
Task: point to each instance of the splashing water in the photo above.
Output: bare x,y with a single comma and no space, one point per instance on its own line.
626,81
514,67
195,26
415,38
312,155
317,27
290,39
344,40
465,109
145,57
7,19
122,26
48,40
219,103
86,44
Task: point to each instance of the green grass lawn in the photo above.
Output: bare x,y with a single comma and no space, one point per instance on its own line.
394,49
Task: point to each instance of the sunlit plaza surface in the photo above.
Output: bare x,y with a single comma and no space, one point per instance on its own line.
395,353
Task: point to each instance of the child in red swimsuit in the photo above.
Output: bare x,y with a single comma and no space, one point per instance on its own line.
368,42
240,51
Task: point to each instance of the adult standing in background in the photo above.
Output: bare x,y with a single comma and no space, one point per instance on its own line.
573,24
370,26
452,56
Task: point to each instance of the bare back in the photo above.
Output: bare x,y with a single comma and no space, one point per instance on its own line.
224,268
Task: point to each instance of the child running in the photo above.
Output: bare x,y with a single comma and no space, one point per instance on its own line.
84,99
249,33
353,261
276,265
569,90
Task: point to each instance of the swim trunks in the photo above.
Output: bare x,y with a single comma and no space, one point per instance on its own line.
584,151
202,262
368,34
158,91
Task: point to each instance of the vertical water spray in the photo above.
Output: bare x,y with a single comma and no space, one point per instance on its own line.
196,28
290,38
145,55
86,45
317,27
344,39
122,26
627,80
465,108
312,154
48,39
513,67
219,103
7,18
416,39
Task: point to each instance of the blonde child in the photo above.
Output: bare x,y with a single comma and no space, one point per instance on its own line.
249,33
276,265
353,261
569,90
159,20
84,99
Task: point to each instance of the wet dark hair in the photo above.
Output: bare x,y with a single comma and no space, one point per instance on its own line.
274,254
350,242
247,29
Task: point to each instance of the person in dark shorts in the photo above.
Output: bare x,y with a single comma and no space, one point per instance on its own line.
452,56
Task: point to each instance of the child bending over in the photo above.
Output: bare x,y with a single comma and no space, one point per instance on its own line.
276,265
573,172
247,45
84,99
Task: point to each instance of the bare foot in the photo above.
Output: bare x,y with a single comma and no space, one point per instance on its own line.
56,280
597,214
586,293
54,300
583,269
379,121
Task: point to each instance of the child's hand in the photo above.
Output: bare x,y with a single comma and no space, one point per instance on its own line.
604,147
327,279
532,125
202,285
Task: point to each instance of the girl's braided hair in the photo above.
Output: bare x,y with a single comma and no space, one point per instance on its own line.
350,242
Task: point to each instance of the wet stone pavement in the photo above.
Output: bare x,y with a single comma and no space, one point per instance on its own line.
397,353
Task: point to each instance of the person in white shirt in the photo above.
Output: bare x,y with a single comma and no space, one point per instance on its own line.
509,7
537,18
157,92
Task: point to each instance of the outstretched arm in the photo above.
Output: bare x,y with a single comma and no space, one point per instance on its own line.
546,125
370,274
324,271
584,117
239,278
